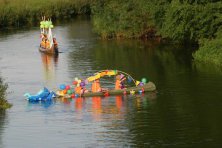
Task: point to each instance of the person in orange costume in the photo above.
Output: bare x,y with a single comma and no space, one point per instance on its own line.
78,90
118,84
96,86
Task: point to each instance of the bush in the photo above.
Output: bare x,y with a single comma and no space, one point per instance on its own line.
3,102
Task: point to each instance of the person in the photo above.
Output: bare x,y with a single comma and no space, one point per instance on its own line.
43,41
55,45
80,90
47,43
119,82
55,42
96,86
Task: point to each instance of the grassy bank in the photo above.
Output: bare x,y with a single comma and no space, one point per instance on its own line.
3,102
28,12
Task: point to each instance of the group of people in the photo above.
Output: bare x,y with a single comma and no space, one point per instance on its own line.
96,87
45,43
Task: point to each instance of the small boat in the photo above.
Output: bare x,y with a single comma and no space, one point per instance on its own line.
52,50
48,43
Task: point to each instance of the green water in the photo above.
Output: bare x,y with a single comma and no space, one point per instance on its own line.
186,111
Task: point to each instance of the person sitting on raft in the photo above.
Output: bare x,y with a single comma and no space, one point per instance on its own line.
119,82
80,90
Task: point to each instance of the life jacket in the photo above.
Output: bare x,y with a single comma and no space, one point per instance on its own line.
96,87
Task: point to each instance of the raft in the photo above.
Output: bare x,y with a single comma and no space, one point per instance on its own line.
148,87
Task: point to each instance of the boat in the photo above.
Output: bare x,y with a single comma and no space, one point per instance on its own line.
48,43
52,50
138,87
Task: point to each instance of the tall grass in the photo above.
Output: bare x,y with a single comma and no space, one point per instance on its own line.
27,12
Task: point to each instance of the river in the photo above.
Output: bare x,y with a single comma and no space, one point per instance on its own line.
186,111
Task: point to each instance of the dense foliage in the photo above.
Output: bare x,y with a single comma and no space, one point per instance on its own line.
3,102
121,18
24,12
180,21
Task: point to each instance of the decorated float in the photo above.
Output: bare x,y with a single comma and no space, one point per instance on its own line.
129,86
48,43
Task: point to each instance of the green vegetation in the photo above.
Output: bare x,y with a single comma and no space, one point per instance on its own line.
210,51
181,21
121,18
28,12
3,102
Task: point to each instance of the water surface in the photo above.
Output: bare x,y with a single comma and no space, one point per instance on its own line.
186,111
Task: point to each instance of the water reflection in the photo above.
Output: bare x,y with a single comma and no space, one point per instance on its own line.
49,63
2,125
39,104
79,104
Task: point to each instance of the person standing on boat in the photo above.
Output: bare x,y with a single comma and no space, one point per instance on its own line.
119,82
96,86
55,45
43,37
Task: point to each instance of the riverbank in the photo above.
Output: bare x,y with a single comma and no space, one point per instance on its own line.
17,13
3,102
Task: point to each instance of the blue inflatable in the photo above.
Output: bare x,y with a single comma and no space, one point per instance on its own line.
42,95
